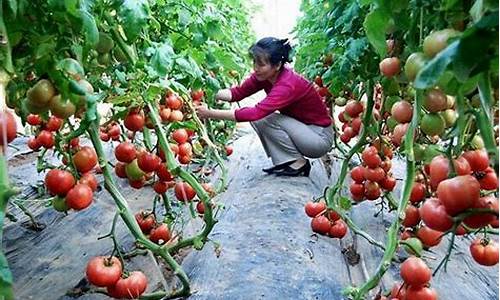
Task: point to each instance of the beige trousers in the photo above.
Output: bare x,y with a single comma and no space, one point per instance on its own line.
285,138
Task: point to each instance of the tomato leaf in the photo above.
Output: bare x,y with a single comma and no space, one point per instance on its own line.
12,5
6,280
431,72
162,59
375,25
135,14
89,27
345,203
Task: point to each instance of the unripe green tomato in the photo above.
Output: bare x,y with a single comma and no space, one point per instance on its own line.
414,63
419,151
105,43
450,117
133,171
432,124
475,101
438,40
104,59
413,246
340,101
391,123
59,204
477,142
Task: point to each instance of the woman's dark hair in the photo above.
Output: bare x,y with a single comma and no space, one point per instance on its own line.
271,50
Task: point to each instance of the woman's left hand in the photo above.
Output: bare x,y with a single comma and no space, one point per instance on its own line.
203,112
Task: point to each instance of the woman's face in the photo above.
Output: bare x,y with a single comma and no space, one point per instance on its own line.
264,70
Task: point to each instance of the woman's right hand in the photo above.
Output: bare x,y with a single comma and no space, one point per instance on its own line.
224,95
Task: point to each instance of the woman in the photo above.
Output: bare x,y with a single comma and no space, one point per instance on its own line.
302,128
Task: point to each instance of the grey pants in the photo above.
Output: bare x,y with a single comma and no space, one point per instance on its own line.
285,138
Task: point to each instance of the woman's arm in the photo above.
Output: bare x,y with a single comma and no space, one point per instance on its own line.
219,114
224,95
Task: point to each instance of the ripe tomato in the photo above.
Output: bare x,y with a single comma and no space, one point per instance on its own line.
160,187
313,209
402,111
46,139
372,190
488,179
200,207
33,144
184,192
120,170
338,229
145,220
417,192
229,150
185,149
429,237
484,252
358,174
125,152
165,114
412,216
180,135
176,116
353,108
85,159
136,184
477,159
90,180
370,157
8,127
103,271
388,184
148,162
74,143
197,95
345,138
389,66
333,215
376,174
34,120
439,169
174,102
356,125
59,182
435,100
348,131
79,197
482,219
163,173
53,124
318,80
320,224
129,288
398,133
415,272
160,234
420,293
398,291
434,215
134,121
104,137
458,193
357,189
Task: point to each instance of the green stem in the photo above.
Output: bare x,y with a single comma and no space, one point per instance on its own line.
484,119
7,50
119,39
392,234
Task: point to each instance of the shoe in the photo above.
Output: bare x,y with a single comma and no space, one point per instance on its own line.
289,171
279,167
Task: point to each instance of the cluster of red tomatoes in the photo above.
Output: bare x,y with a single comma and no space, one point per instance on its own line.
70,194
103,271
325,221
351,119
110,132
374,174
416,276
45,131
158,232
450,197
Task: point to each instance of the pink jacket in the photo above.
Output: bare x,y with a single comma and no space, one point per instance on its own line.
291,94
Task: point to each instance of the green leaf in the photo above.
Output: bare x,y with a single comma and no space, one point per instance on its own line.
476,11
6,280
162,59
184,17
213,83
89,28
12,4
375,25
432,71
135,14
345,203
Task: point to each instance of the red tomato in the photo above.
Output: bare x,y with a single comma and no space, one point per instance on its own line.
320,224
484,252
358,174
488,179
318,80
313,209
163,173
345,138
85,159
429,237
145,220
33,144
482,219
333,215
34,120
90,180
174,148
104,137
376,174
372,190
125,152
389,66
402,111
434,215
129,288
53,124
180,135
398,133
439,169
137,183
59,182
46,139
184,192
458,193
79,197
148,162
417,192
165,114
357,189
197,95
185,149
160,187
114,131
134,121
412,216
420,293
356,125
120,170
388,184
174,102
477,159
415,272
386,165
398,291
103,271
160,234
370,157
200,207
176,116
74,143
353,108
338,229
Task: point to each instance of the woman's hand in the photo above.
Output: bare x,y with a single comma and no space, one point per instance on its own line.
203,112
224,95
